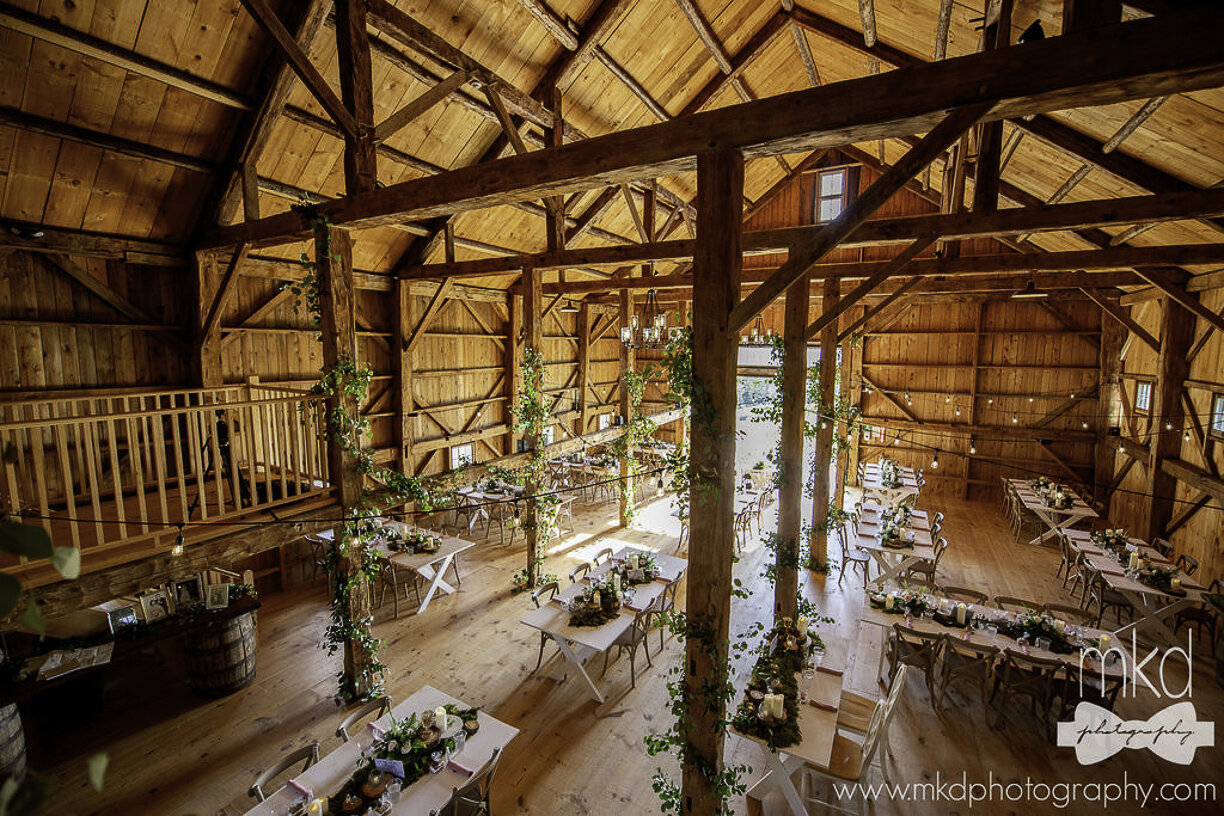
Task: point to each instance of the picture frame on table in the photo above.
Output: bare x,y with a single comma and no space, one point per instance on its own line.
189,591
155,605
216,596
122,618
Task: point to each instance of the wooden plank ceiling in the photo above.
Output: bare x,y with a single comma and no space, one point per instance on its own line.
656,59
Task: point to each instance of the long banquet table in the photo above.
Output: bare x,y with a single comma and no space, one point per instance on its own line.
1152,606
874,488
578,644
1055,519
893,561
428,794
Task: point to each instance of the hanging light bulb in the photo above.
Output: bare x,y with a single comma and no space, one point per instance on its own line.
948,398
1186,436
990,401
180,543
958,410
972,447
935,460
517,514
1168,425
1030,399
1015,419
1085,424
659,486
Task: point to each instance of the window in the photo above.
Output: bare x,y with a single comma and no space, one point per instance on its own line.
546,436
832,193
1143,396
1217,415
460,455
603,421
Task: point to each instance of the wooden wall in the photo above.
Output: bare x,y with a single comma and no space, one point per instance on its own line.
1202,535
56,333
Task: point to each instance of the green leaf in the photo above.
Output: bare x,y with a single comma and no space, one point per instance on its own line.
67,560
33,618
25,539
10,591
97,769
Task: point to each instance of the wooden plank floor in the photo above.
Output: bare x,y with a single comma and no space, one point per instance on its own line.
173,754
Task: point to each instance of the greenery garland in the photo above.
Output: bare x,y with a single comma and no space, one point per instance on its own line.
531,414
638,430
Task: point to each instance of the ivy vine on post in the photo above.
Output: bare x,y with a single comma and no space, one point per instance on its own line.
531,414
638,430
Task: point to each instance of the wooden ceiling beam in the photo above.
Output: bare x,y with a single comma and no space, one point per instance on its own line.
1030,78
751,49
870,313
801,258
1161,280
1119,314
278,78
80,243
419,106
552,22
79,42
116,144
301,64
891,268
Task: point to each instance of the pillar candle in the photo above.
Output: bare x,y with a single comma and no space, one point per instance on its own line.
318,807
888,603
801,624
440,717
1104,643
595,598
943,606
1176,584
1060,626
1133,563
960,614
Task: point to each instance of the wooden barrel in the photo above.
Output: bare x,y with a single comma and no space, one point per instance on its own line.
12,743
221,658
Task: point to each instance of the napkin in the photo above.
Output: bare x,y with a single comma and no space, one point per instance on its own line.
828,670
1109,571
300,788
822,705
458,768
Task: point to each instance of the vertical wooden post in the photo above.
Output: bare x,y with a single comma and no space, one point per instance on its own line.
206,348
716,284
628,359
1113,335
1176,335
533,331
682,425
554,217
337,324
974,384
818,546
512,363
856,399
794,407
584,368
990,134
356,91
401,370
843,447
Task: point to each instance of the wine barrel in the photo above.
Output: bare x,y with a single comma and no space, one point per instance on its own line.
12,743
221,658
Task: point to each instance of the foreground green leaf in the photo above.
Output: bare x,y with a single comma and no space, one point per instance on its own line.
33,618
10,591
97,769
25,539
67,560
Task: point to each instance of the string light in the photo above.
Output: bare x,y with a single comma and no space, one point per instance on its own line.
1186,436
935,459
180,542
1085,424
1015,419
972,447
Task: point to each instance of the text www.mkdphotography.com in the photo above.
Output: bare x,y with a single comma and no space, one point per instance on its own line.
1058,794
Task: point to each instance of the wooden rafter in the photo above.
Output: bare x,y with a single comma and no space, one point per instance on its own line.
892,298
431,311
1161,281
894,266
1117,313
803,257
896,403
301,64
418,106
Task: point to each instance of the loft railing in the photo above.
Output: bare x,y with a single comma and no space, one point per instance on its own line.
116,474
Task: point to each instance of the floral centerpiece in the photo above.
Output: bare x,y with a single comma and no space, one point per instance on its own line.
1114,538
637,568
1031,625
1161,578
407,751
770,707
598,603
893,523
414,541
890,473
904,601
1058,498
1041,484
